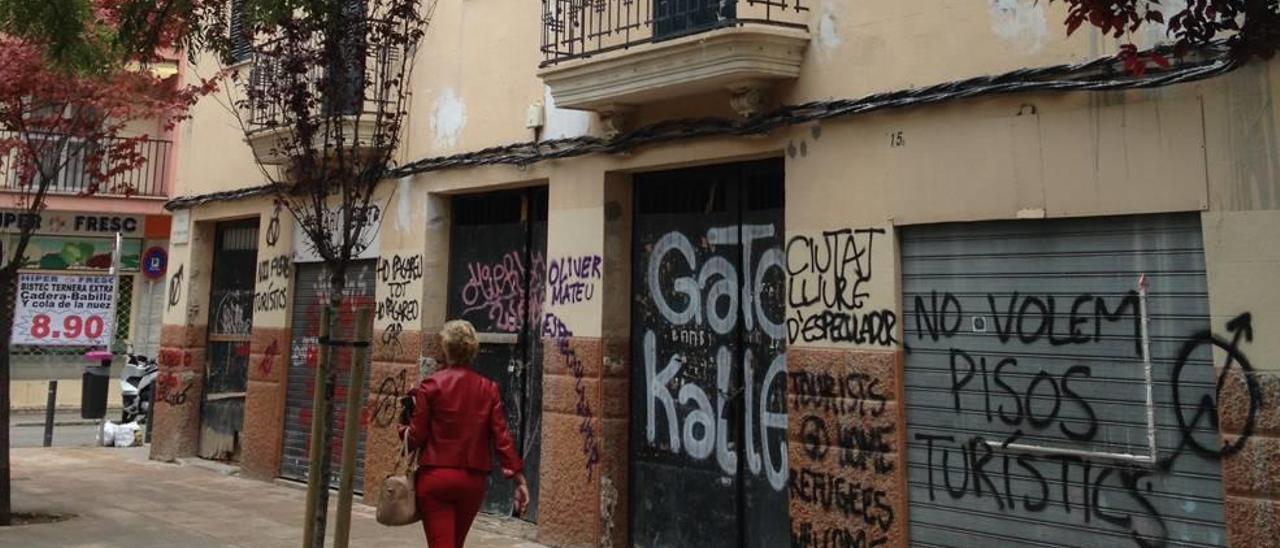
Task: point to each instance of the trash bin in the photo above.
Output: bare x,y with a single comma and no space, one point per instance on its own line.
96,379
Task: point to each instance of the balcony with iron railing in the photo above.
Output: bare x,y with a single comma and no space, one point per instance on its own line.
611,55
67,158
270,113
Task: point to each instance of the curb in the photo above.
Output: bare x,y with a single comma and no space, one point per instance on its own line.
212,466
37,419
76,422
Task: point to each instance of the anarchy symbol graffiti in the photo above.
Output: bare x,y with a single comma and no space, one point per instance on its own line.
175,287
273,227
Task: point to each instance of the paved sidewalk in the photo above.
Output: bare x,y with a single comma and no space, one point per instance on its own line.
121,499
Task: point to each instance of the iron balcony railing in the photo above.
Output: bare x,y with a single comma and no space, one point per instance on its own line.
373,68
68,157
573,29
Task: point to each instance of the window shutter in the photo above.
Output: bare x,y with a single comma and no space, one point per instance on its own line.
241,46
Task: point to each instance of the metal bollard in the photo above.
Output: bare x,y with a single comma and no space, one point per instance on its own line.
151,414
49,407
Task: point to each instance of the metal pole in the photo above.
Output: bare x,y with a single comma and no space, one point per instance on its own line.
151,405
49,405
1143,287
151,412
115,289
317,473
351,426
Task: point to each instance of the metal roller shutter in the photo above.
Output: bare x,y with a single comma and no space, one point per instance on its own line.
1027,384
310,294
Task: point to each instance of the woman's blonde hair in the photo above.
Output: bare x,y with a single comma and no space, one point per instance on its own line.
458,337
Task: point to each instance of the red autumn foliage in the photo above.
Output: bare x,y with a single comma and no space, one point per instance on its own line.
1251,27
74,114
50,118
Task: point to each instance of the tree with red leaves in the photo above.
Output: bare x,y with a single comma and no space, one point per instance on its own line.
68,109
1250,27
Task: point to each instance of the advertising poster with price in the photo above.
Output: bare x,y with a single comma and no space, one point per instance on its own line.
64,310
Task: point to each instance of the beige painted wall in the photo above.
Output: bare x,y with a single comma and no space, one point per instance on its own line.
211,149
1244,265
576,229
476,70
475,74
473,78
1204,146
273,280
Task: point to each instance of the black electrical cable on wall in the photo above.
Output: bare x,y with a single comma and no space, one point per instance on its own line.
1103,74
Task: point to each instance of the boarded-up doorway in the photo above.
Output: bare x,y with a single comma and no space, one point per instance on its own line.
708,405
230,328
497,273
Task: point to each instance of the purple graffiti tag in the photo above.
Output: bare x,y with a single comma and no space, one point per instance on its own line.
497,290
557,330
537,288
572,279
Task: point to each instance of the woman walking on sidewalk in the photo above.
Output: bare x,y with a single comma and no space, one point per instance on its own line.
454,416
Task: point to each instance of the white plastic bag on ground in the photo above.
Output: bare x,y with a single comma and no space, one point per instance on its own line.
127,434
107,434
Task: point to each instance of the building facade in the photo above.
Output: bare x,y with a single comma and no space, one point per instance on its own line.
736,298
74,236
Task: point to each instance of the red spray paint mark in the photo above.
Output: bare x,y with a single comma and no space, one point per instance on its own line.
269,358
170,357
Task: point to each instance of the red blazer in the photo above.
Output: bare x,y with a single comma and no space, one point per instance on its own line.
457,417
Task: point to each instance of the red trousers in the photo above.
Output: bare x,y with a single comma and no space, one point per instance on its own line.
448,499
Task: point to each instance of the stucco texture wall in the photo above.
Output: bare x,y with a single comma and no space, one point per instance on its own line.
212,153
1243,259
851,187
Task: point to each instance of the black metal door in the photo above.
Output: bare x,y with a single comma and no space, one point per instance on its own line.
230,328
709,457
497,281
311,293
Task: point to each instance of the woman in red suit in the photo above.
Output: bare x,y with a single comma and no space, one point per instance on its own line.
455,416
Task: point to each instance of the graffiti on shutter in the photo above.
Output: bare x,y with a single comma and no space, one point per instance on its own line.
310,297
1061,385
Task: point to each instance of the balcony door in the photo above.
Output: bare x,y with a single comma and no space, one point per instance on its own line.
673,18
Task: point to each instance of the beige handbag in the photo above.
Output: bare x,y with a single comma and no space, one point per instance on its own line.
397,502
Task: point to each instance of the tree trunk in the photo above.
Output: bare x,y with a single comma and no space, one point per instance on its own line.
8,284
322,417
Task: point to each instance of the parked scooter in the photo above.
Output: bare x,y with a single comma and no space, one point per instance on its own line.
137,382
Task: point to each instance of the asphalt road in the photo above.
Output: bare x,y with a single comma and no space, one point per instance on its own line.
22,433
